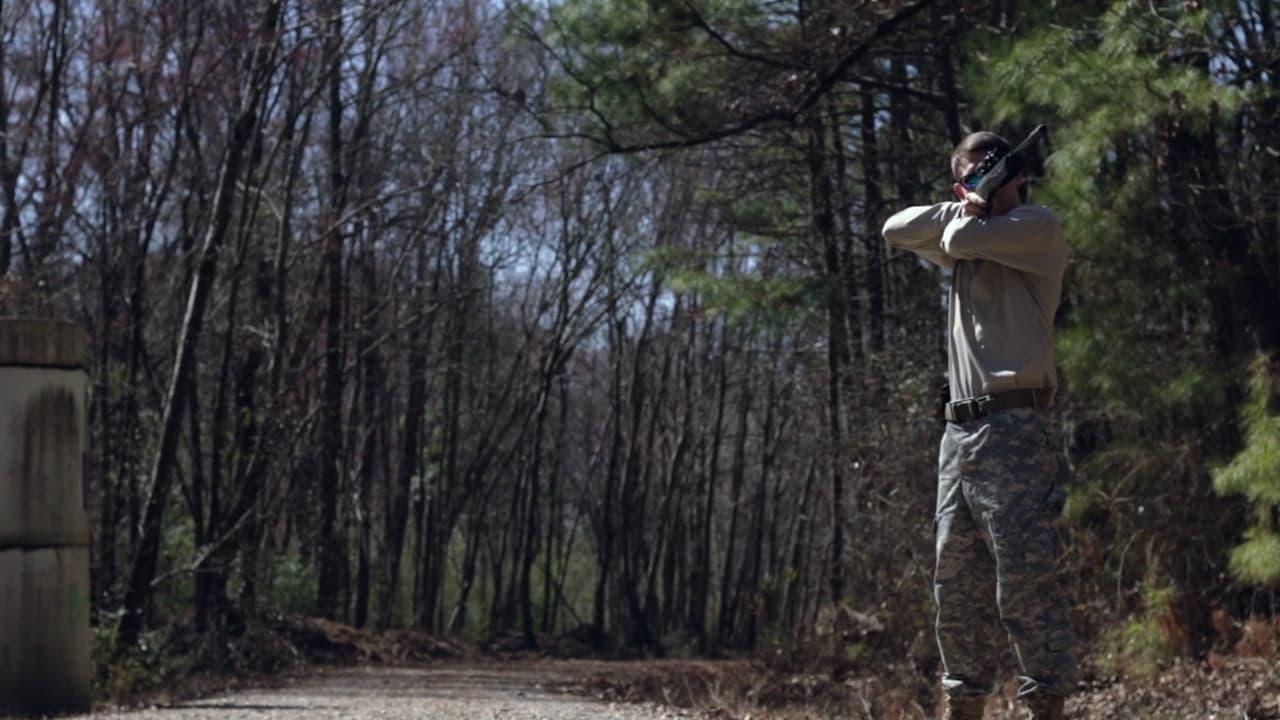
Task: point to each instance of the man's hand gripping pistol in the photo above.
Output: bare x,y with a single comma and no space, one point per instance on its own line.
997,169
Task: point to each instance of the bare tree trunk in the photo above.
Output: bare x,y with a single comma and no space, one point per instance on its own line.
550,604
411,437
47,223
872,203
448,472
824,227
272,294
751,583
250,463
604,526
634,493
470,559
372,391
647,608
103,575
241,138
211,575
728,605
605,533
549,367
848,259
800,535
700,584
665,553
9,170
946,71
331,580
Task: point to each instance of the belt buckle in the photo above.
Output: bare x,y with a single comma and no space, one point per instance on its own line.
982,406
969,409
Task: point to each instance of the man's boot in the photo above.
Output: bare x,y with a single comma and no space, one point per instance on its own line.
965,707
1046,707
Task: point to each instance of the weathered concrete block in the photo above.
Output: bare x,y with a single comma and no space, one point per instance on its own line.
43,461
42,343
44,631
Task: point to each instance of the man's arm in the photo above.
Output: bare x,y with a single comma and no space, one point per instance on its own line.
1028,238
920,229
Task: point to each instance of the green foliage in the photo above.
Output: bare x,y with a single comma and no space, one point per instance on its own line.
738,297
1257,559
644,72
402,610
1255,473
1135,384
579,588
1109,89
1146,643
121,674
1107,78
645,69
766,214
1106,87
175,597
1143,345
1079,501
292,586
1130,482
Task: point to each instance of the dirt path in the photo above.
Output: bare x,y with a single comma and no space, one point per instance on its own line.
496,691
1224,688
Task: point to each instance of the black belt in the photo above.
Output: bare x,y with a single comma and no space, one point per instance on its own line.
980,407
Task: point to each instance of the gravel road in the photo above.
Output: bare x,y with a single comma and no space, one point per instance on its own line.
497,691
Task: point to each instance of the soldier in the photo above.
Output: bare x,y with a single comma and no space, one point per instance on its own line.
998,489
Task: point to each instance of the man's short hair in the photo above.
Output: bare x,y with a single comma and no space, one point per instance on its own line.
982,141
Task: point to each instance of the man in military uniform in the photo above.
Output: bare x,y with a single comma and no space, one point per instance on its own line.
998,488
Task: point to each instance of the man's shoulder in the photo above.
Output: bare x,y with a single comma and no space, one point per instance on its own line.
1036,211
1043,218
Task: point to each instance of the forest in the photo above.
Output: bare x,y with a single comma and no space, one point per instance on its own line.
533,319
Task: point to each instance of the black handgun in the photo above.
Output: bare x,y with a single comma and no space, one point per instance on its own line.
997,169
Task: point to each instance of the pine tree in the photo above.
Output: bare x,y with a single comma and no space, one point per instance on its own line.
1255,473
1156,112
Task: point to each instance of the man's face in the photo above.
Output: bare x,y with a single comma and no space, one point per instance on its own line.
1004,199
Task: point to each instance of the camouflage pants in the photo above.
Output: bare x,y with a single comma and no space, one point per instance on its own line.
999,496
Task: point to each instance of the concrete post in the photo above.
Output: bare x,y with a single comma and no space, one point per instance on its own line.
44,521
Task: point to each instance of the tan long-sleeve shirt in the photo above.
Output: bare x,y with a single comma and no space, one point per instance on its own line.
1005,287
